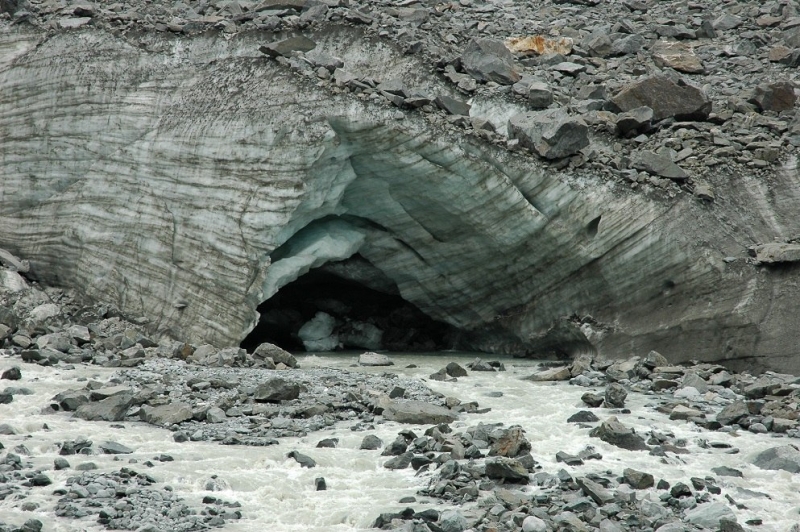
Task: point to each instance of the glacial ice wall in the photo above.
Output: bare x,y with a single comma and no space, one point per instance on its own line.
187,180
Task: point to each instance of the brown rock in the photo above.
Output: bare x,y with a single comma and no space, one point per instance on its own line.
665,98
678,56
540,45
778,96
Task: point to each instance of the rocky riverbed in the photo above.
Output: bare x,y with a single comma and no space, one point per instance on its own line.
99,434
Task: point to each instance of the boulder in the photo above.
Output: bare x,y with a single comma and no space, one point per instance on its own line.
665,97
595,491
452,521
370,443
777,97
678,56
374,359
489,60
400,461
776,252
13,374
638,479
623,369
583,416
634,120
553,134
785,457
112,408
511,444
615,395
452,106
303,460
455,370
418,413
681,412
507,469
278,355
112,447
732,413
165,415
593,400
613,432
276,390
709,515
551,374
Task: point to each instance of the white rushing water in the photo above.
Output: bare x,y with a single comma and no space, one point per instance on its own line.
278,495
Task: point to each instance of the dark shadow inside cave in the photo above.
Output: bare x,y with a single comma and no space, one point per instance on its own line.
324,311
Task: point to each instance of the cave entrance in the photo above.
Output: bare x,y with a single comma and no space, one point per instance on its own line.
334,307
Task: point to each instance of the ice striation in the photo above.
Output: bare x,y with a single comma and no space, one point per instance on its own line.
188,180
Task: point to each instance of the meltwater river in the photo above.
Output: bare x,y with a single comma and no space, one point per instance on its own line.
278,495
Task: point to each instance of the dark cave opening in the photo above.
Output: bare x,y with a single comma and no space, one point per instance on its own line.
321,311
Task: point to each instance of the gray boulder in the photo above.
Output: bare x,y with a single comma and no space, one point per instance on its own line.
507,469
638,479
165,415
553,134
615,395
634,120
302,459
732,413
665,97
278,355
709,515
418,413
401,461
452,106
276,390
452,521
512,443
112,447
370,443
613,432
489,60
110,409
785,457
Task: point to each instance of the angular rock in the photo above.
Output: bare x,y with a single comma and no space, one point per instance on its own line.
276,390
584,416
507,469
627,44
613,432
615,395
598,493
634,120
489,60
678,56
278,355
399,462
165,415
593,400
776,252
551,374
733,413
777,97
540,45
455,370
681,412
709,515
638,479
511,444
111,447
658,164
665,98
12,374
111,409
452,106
418,413
553,134
784,457
285,47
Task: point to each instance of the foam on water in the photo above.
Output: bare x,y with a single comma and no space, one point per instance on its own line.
277,494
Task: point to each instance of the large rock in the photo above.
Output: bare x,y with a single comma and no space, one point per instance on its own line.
785,457
489,60
112,408
285,47
278,355
553,134
709,515
665,98
276,390
166,415
613,432
677,55
512,443
418,413
374,359
778,96
507,469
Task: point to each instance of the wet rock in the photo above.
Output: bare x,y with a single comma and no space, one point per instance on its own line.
399,462
623,369
777,97
665,97
507,469
615,395
303,460
681,412
455,370
60,463
328,443
709,515
613,432
553,134
512,443
593,400
165,415
111,447
784,457
276,390
418,412
374,359
489,60
595,491
320,484
285,47
725,471
12,374
584,416
551,374
112,408
638,479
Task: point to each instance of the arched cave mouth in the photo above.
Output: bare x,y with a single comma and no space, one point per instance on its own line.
323,311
